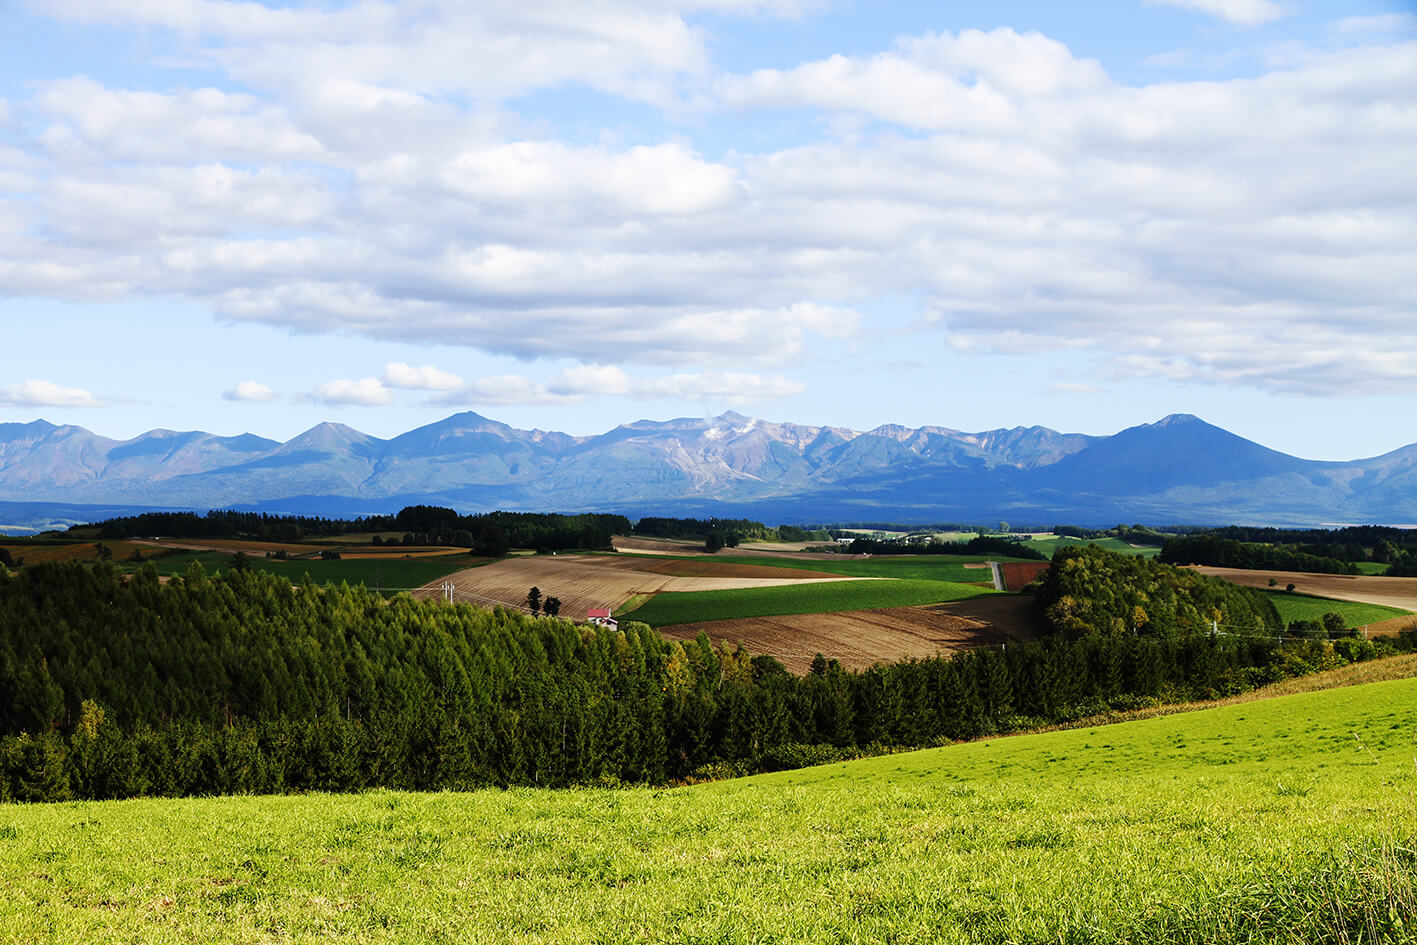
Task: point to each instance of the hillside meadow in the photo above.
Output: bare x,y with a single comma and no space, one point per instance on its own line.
1287,820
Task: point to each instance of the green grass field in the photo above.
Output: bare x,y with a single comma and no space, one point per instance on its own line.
917,567
1304,607
1290,820
1372,567
383,573
672,607
1049,545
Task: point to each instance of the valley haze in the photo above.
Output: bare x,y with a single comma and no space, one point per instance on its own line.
1177,470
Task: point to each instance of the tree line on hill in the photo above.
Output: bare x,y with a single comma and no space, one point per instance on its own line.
1214,551
489,533
979,545
1132,534
242,682
1319,550
720,533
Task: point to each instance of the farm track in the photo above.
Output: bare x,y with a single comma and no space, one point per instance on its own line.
582,582
1366,589
862,638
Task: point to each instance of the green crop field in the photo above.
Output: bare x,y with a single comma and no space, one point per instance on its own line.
1303,607
672,607
1049,545
387,573
917,567
1290,820
1372,567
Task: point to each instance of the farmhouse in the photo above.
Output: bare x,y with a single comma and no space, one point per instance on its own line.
600,616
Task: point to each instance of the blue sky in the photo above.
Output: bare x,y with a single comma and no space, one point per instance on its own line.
241,217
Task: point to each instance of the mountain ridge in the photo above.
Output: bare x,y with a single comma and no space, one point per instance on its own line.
1179,468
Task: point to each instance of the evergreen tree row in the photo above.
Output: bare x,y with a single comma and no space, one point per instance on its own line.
979,545
425,524
113,688
1217,552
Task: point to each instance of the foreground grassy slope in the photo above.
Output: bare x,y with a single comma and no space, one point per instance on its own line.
674,607
1250,822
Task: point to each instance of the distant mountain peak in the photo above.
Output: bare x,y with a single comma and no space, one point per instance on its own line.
1177,469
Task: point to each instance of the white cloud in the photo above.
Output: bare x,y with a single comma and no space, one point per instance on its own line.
249,391
427,377
577,384
721,387
432,47
507,390
664,179
46,394
366,392
188,125
973,80
1382,23
372,179
1239,12
592,379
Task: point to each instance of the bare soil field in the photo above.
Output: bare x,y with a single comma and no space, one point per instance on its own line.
229,545
1391,627
1019,574
779,546
862,638
1389,591
585,581
656,546
88,551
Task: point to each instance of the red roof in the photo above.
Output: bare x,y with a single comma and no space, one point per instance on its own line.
602,613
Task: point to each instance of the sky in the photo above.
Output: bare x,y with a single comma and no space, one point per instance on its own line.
254,217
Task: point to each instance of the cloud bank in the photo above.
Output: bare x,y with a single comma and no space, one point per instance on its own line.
363,170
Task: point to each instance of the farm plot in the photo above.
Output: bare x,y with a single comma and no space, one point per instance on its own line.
37,552
864,637
663,610
1387,591
859,638
585,581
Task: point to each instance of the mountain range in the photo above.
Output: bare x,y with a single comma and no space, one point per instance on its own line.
1177,470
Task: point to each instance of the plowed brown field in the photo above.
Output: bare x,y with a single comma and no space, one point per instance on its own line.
585,581
1389,591
88,551
861,638
1019,574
